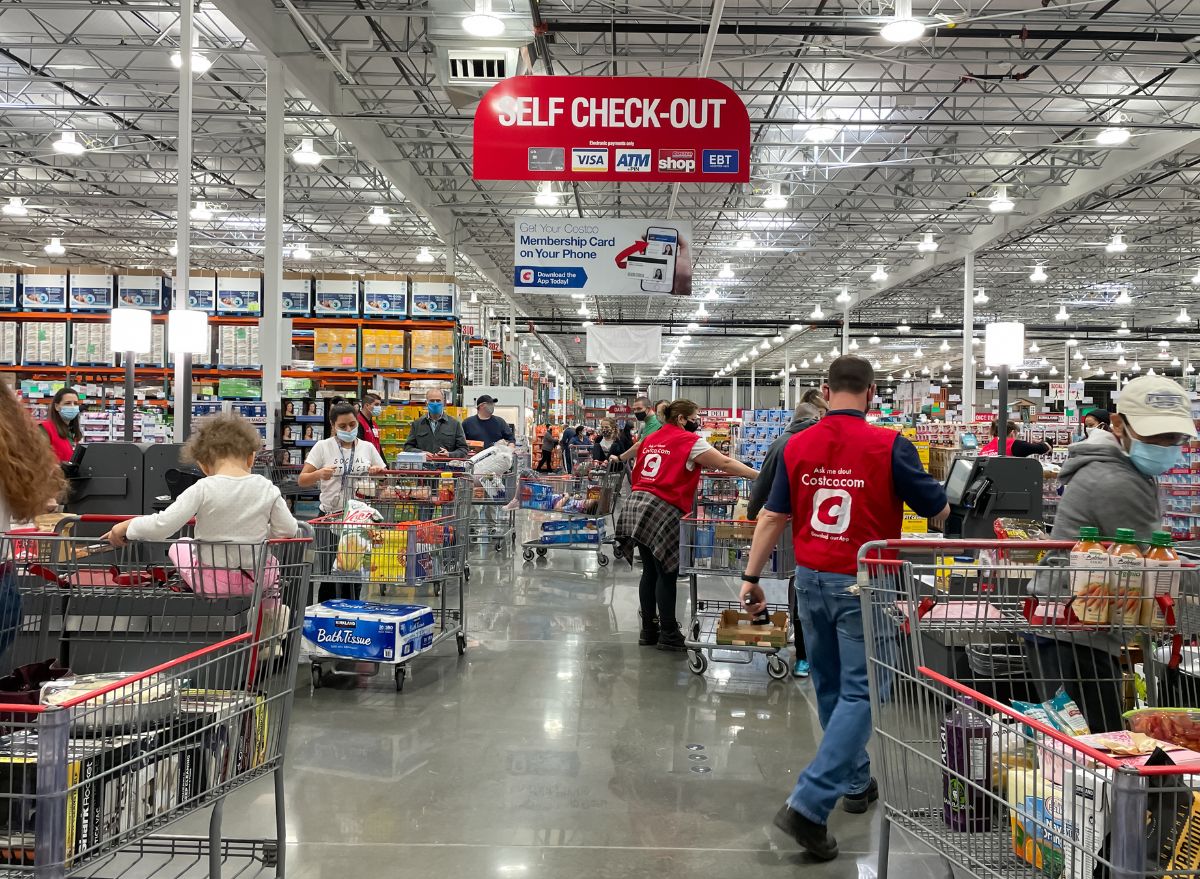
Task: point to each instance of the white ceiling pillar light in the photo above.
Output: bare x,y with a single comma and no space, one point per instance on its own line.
1004,344
130,330
55,248
483,22
775,200
379,217
305,155
201,212
1000,202
879,275
1038,275
546,197
902,28
1116,245
15,207
67,145
187,331
424,256
927,244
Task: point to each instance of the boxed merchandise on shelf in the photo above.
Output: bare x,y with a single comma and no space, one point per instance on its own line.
202,291
90,288
44,288
335,347
385,295
157,355
44,343
255,413
384,349
337,296
91,344
297,294
8,342
431,350
237,346
239,293
9,280
433,296
143,288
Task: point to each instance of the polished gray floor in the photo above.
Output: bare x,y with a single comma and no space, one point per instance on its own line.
555,748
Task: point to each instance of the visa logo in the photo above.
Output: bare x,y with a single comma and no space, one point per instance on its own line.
633,161
589,160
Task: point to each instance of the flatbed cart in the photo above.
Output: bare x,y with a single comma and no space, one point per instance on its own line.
955,631
141,741
578,502
386,562
711,547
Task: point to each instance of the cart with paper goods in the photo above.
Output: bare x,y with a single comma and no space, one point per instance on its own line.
143,683
1023,705
494,485
578,506
713,544
402,533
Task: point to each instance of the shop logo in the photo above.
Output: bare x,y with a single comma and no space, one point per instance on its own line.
589,160
677,161
526,276
719,161
633,161
831,511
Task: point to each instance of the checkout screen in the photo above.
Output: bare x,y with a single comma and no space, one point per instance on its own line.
959,479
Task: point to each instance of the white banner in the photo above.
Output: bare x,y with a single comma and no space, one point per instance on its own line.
609,257
624,344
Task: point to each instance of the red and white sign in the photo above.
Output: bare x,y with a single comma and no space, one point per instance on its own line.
612,128
618,409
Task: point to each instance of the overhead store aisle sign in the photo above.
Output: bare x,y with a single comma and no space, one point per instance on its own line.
628,129
610,257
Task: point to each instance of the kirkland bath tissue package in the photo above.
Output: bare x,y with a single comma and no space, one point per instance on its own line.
362,630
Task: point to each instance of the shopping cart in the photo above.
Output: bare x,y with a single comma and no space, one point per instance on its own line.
102,742
713,544
388,562
493,522
998,676
580,505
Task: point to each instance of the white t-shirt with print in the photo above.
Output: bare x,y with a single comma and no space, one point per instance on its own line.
345,462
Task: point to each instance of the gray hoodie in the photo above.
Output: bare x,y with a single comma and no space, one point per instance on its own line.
1103,489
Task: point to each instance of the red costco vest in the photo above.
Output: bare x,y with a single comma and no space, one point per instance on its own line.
662,469
840,472
992,449
63,450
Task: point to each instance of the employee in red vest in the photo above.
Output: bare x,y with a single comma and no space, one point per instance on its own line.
843,483
1013,447
665,477
62,424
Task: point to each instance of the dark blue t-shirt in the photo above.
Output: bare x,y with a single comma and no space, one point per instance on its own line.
487,430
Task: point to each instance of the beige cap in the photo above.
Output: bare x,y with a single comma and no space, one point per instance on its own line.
1153,404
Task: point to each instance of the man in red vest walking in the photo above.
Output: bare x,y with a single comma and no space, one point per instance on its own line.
843,483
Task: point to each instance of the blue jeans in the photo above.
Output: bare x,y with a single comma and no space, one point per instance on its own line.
832,621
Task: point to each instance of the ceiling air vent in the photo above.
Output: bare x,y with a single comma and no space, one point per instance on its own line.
479,66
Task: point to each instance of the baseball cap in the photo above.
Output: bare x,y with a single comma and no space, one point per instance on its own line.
1153,404
486,399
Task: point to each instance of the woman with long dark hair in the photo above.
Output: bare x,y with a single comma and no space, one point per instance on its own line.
62,424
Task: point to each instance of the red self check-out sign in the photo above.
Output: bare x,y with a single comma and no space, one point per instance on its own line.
670,130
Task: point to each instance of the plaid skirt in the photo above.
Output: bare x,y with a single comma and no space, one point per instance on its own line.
651,521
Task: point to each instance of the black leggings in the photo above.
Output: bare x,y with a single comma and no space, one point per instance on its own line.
544,464
657,591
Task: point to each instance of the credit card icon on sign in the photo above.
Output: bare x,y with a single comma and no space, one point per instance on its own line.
547,159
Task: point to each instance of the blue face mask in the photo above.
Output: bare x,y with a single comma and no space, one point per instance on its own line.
1154,461
435,407
69,413
348,436
376,411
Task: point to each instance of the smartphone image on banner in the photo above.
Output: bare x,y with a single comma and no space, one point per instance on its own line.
656,267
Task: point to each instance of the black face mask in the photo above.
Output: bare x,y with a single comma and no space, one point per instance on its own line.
640,416
691,425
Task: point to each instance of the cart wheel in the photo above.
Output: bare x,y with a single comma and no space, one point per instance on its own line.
270,855
467,572
499,546
462,643
317,674
399,675
697,662
527,555
602,560
777,668
541,551
514,538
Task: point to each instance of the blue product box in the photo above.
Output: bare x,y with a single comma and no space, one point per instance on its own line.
90,291
44,291
559,525
535,496
141,291
8,290
363,630
239,296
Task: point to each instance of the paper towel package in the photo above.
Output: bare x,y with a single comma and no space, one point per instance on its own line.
363,630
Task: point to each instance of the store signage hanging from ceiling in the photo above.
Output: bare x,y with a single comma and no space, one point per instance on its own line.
611,257
630,129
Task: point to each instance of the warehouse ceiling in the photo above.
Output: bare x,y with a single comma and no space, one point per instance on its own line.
1013,93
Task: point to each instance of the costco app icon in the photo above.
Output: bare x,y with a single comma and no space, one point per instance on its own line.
633,161
677,161
526,276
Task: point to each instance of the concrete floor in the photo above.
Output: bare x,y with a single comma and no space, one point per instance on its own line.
555,749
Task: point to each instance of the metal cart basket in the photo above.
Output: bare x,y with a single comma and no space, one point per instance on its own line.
493,521
578,507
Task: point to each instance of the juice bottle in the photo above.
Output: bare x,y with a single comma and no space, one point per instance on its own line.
1162,578
966,738
1126,578
1089,578
446,488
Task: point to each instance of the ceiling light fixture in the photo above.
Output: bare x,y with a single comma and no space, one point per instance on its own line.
817,313
475,301
902,28
1123,329
55,248
726,273
778,340
200,62
379,217
1034,348
927,244
902,327
483,22
15,208
896,358
843,297
1114,135
1116,245
201,213
546,197
1038,275
775,199
1123,298
821,132
305,155
746,242
853,346
874,340
1196,277
1062,315
945,346
173,249
981,297
68,145
1078,355
1054,370
819,359
1183,317
300,251
765,346
423,255
879,274
1001,203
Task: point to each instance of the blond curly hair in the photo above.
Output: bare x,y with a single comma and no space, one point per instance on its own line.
30,476
222,437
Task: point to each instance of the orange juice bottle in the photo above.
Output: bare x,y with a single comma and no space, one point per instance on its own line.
1089,578
1127,576
1162,578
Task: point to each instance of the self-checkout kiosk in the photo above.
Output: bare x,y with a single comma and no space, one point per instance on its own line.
982,490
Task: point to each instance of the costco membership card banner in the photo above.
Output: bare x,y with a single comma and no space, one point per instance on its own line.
612,128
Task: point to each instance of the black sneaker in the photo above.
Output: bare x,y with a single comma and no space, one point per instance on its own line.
811,836
672,640
858,803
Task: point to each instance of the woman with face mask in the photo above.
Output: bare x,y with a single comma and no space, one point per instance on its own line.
1110,482
333,462
62,425
665,477
608,442
368,412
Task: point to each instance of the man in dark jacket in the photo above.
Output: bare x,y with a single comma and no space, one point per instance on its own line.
806,416
436,433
